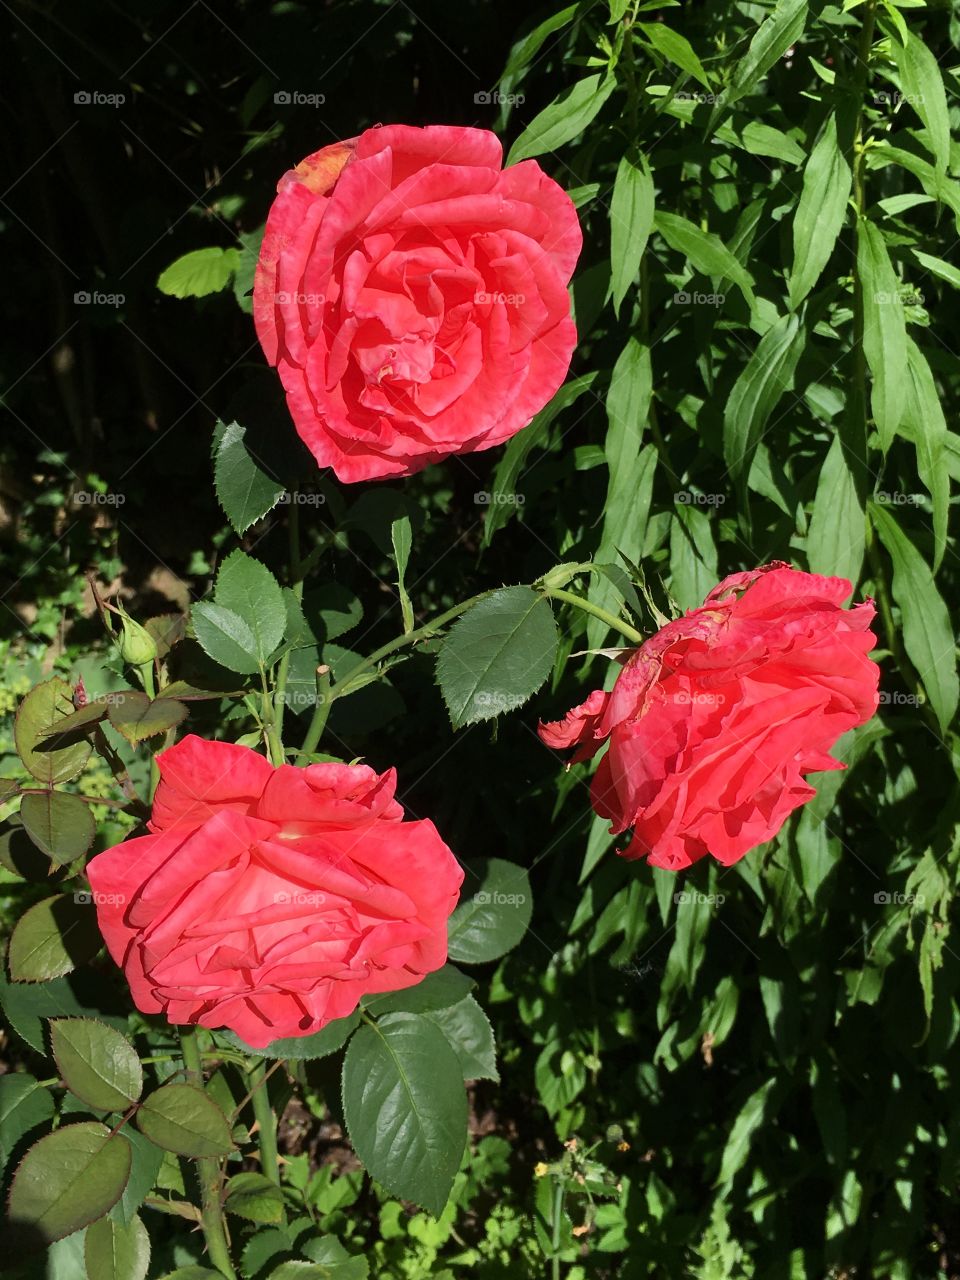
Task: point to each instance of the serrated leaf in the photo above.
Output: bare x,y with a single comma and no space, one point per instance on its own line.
24,1103
927,630
183,1119
60,825
144,1168
42,710
884,331
25,1004
758,390
495,907
318,1045
117,1251
96,1062
406,1108
254,1197
245,489
21,856
68,1179
225,637
137,717
675,48
468,1029
249,589
497,655
922,85
74,726
51,939
566,117
631,221
707,252
198,273
837,534
821,210
438,990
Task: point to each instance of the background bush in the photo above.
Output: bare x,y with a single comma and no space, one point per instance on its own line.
767,369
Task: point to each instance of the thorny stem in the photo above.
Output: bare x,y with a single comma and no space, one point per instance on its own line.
209,1171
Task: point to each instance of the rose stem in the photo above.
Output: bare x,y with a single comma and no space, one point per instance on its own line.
150,689
297,571
208,1170
266,1122
588,606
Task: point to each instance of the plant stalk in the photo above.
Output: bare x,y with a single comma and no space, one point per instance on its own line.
615,623
209,1172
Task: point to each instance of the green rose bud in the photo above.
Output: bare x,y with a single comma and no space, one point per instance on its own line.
137,645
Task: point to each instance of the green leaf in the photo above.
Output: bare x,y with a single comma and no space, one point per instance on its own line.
21,856
707,252
226,637
199,272
26,1003
136,717
319,1045
97,1063
493,913
675,48
52,938
757,392
115,1251
923,89
927,631
331,611
245,489
837,533
354,1269
693,556
254,1197
68,1179
944,270
76,725
497,655
884,331
756,1111
24,1104
144,1168
468,1029
248,588
41,711
821,210
59,824
192,1273
406,1108
564,119
924,422
401,534
524,51
438,990
631,221
770,42
183,1119
504,490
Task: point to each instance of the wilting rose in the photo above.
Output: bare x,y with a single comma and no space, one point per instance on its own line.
269,900
413,296
715,720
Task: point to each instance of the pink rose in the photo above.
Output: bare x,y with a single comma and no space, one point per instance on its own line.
412,294
715,720
269,900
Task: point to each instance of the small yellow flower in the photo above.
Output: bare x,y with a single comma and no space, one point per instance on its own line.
623,1146
540,1169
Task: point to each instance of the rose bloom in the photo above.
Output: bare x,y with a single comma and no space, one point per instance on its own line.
269,900
412,294
714,721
